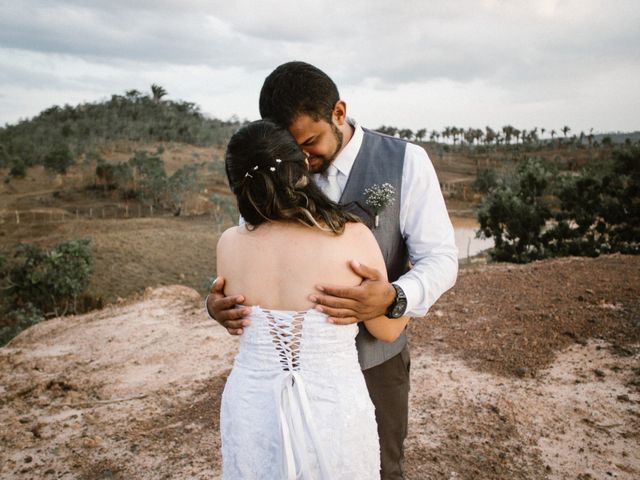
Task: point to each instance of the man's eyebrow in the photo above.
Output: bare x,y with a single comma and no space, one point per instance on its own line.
308,140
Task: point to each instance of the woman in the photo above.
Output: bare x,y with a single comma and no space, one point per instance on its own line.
295,404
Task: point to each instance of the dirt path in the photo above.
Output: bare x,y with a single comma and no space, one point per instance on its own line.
520,372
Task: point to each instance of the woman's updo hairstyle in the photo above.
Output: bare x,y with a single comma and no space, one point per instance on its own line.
268,174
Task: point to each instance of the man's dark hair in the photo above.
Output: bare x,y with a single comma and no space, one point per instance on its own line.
296,88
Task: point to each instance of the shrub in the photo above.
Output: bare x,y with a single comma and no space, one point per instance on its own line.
49,281
486,180
540,214
18,168
59,159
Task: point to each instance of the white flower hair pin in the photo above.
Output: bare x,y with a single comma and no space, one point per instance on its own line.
272,169
379,197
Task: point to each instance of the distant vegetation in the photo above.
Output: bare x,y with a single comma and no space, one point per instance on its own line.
540,212
58,135
144,177
508,136
551,204
38,284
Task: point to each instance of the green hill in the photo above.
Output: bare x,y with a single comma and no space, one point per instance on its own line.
133,117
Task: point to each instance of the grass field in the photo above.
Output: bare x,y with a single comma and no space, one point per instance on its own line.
133,253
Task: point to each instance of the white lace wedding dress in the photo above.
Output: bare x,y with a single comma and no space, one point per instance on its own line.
295,405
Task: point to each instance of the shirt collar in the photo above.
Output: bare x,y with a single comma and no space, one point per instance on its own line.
346,157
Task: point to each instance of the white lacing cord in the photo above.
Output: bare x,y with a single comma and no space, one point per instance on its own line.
294,411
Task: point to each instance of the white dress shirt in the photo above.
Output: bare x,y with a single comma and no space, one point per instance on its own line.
424,223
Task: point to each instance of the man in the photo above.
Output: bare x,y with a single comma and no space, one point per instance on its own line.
415,228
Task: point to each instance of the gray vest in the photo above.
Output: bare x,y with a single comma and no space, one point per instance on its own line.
380,160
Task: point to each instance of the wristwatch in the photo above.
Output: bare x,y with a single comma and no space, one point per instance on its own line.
399,305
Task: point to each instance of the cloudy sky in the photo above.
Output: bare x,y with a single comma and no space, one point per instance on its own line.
419,64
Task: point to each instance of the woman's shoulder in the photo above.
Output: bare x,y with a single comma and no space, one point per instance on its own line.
229,237
358,231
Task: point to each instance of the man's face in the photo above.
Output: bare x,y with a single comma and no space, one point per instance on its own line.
319,139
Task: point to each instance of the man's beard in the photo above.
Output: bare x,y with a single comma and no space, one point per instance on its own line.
326,161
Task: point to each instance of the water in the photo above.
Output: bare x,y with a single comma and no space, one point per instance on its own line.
466,241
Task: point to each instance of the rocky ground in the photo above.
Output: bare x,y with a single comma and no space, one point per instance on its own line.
519,372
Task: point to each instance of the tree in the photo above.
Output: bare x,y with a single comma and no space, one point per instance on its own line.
515,214
485,181
49,280
420,134
405,134
149,176
18,168
224,207
565,130
489,135
391,131
59,158
507,130
158,92
113,175
183,182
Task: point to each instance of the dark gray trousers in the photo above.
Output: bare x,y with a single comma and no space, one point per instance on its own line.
388,385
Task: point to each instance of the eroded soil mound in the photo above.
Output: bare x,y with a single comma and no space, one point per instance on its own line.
524,372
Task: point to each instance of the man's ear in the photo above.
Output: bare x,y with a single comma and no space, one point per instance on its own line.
339,114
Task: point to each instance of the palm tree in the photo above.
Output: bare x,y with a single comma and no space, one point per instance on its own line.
446,133
158,92
420,134
132,94
405,133
455,131
490,135
565,130
508,131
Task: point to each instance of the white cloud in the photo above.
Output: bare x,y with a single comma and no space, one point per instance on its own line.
464,63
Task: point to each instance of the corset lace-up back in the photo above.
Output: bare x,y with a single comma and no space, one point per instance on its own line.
295,405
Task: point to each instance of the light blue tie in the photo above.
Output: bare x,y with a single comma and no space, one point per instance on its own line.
333,190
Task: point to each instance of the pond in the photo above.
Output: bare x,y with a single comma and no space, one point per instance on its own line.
466,241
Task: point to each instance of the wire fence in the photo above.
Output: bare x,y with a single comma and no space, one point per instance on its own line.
39,216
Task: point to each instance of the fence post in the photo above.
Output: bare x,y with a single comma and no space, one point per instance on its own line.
17,217
151,210
102,212
126,211
91,213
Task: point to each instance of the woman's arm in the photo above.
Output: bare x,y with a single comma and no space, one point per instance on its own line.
385,328
382,327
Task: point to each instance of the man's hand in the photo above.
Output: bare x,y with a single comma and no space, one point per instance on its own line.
346,305
224,309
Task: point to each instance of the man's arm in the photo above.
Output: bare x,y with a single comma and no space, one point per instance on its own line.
427,229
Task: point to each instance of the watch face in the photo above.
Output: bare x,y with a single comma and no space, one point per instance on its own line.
399,309
400,303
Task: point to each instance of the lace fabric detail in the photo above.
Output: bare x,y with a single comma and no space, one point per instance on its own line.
295,404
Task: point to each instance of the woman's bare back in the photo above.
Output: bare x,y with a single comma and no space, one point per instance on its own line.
278,264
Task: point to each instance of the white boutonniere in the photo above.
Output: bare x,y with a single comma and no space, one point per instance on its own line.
379,197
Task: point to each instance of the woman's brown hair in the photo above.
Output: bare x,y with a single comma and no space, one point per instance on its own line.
268,174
